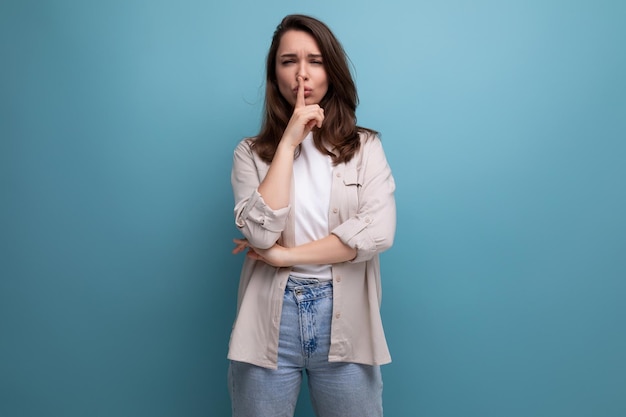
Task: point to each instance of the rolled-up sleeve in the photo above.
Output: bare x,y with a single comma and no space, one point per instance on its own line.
260,224
372,229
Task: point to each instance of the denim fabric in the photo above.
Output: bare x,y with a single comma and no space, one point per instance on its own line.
336,389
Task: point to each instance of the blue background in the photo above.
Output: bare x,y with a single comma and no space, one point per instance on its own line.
504,123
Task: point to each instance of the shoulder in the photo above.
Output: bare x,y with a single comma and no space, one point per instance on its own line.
245,148
371,155
370,141
245,144
246,155
368,137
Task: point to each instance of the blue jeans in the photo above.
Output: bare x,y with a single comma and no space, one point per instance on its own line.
336,389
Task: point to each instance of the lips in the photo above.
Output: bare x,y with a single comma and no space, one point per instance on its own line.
307,92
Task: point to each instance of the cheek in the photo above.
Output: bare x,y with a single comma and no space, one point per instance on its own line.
324,82
322,78
284,72
284,88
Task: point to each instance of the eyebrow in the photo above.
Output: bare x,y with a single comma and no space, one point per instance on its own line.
295,56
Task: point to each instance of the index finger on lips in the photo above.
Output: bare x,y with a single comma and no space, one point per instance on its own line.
300,96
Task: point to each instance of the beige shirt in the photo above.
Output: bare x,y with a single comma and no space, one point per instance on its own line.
362,214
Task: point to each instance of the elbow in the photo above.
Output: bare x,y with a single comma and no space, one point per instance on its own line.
262,243
385,243
371,247
388,232
260,239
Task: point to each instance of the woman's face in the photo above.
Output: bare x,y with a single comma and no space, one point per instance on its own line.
298,55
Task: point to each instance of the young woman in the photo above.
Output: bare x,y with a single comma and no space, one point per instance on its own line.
314,199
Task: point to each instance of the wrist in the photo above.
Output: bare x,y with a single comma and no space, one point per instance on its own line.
286,146
288,257
292,138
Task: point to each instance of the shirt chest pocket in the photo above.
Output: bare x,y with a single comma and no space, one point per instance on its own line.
352,188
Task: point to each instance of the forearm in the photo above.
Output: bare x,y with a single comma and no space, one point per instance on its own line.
276,186
328,250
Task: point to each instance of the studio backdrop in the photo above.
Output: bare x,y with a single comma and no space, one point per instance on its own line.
504,123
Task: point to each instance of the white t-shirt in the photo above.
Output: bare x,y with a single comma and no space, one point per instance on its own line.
312,174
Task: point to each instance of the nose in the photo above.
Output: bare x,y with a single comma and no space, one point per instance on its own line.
302,72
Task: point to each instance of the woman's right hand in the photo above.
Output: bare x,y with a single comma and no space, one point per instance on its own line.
275,187
303,120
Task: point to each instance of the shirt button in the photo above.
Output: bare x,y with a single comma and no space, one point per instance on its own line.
338,175
338,279
338,315
368,220
335,210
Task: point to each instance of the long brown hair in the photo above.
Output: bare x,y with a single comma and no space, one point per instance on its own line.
339,130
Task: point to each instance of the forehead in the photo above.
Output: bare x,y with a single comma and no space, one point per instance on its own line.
294,41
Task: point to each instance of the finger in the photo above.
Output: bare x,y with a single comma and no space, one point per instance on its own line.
310,125
241,244
300,97
320,119
238,248
253,255
317,120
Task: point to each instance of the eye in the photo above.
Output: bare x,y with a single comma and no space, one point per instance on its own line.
317,62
